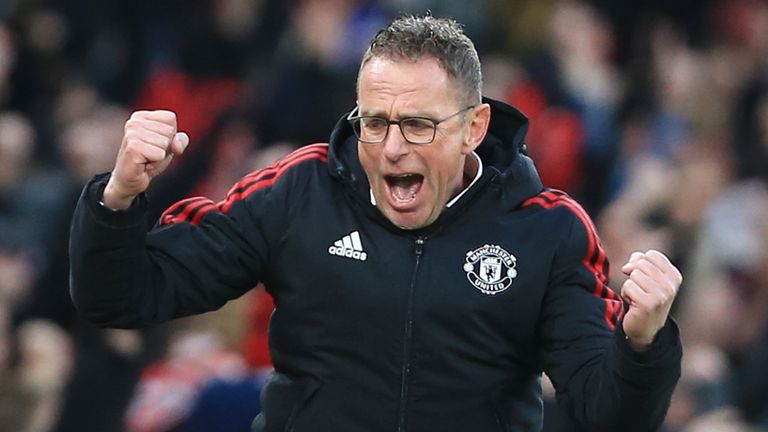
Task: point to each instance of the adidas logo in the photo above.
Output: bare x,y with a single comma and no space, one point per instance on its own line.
349,246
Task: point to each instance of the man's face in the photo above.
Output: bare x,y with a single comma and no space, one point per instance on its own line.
413,182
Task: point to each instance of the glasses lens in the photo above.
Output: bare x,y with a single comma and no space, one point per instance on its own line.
371,129
418,130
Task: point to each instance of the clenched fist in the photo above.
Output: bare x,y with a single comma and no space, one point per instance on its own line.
650,290
149,142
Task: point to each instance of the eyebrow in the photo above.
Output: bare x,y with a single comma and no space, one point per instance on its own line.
372,113
382,114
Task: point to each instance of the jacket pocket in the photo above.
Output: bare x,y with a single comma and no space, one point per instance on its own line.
282,399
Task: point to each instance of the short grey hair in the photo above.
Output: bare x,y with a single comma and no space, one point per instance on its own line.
413,38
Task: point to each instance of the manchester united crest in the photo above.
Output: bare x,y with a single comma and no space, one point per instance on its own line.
490,269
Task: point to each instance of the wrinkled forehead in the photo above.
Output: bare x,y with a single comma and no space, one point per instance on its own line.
381,75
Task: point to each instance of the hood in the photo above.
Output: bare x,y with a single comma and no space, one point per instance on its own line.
505,162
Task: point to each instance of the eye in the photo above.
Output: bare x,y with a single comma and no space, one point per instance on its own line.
418,125
373,123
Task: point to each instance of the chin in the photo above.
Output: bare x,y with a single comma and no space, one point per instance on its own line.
407,221
406,227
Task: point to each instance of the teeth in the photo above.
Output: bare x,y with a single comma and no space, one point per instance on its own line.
404,187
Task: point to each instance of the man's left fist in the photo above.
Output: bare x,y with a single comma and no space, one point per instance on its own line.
650,290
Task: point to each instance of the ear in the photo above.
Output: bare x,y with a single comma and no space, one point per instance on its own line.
478,120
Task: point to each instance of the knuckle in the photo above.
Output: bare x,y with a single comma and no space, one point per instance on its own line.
139,115
624,291
657,255
648,264
131,140
168,131
628,286
671,284
657,302
166,116
672,293
665,298
153,153
135,124
641,265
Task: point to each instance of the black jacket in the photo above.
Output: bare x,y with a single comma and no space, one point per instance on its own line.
447,328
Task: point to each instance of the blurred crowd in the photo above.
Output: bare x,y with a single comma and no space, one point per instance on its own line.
654,115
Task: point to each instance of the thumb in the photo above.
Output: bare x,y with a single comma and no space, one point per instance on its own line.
179,143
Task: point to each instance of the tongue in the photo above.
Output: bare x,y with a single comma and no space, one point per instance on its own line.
405,188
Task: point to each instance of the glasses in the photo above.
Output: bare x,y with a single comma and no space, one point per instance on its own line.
415,130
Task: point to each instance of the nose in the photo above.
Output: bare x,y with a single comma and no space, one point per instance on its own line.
395,145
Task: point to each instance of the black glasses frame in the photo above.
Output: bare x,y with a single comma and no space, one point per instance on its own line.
355,121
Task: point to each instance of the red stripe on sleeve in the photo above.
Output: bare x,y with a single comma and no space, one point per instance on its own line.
319,148
202,212
252,186
184,206
595,259
193,209
190,209
598,258
272,169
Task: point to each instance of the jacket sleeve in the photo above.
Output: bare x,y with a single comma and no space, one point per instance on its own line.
599,380
199,256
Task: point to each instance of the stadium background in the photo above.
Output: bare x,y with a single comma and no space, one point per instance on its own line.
653,114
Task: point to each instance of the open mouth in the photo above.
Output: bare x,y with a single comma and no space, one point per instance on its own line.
404,188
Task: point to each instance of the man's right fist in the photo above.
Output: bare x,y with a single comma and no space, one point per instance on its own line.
149,142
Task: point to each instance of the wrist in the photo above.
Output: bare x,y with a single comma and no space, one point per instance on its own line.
113,199
665,340
638,345
640,342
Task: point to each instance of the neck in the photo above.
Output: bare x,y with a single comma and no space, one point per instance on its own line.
470,171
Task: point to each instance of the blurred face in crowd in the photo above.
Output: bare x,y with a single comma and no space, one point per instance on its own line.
413,182
16,144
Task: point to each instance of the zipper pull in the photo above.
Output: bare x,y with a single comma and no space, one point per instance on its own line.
419,245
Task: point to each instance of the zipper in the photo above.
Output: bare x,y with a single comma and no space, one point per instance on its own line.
419,249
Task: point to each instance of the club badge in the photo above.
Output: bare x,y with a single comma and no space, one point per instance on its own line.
490,269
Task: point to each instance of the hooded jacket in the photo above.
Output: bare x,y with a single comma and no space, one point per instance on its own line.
446,328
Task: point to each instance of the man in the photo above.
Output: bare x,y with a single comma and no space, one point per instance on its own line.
423,277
